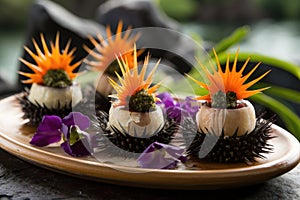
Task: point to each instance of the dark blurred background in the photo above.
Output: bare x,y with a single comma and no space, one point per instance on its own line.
13,12
275,24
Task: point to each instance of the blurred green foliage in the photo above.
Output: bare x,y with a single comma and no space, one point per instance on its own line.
279,9
13,13
183,10
178,9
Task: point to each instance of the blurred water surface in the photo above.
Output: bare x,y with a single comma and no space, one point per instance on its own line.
11,47
273,38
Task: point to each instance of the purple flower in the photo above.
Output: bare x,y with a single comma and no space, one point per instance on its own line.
48,131
77,142
161,156
176,110
191,106
175,113
71,128
77,118
167,100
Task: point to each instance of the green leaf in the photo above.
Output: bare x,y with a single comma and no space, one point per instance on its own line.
178,9
239,34
281,92
274,62
291,120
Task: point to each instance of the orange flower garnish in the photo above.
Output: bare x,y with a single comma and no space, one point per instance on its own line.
230,80
49,60
106,50
133,81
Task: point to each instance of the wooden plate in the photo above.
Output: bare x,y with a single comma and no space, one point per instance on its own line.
15,137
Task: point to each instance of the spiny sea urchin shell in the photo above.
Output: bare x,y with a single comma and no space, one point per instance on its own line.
125,142
35,112
91,102
229,149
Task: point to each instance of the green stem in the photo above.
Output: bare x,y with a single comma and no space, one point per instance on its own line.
239,34
291,120
281,92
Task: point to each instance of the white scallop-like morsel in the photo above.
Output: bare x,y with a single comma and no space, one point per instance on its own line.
55,97
214,119
137,124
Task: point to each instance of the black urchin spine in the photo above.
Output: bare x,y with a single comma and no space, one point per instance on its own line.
35,112
127,142
234,149
92,101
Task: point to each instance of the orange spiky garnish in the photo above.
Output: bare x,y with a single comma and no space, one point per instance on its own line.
106,50
230,82
50,61
134,87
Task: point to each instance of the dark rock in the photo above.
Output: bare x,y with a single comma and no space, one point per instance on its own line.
159,34
174,48
84,9
135,13
49,18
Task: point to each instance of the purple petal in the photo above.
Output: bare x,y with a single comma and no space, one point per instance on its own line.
77,118
164,95
83,147
160,156
48,131
156,160
175,110
174,113
182,158
77,150
66,147
173,151
170,103
172,165
167,99
65,131
191,106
